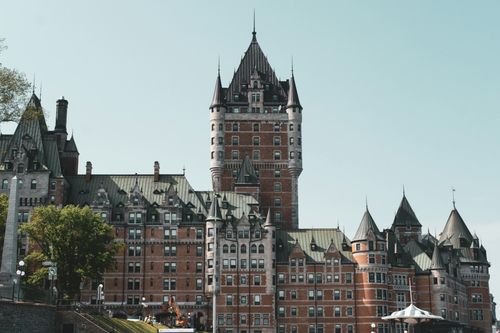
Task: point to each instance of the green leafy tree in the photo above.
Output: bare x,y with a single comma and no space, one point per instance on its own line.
75,238
4,204
14,91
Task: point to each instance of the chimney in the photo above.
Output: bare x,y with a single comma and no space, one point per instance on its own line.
157,171
88,171
61,115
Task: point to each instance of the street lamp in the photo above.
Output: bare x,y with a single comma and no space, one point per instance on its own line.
100,296
144,306
373,327
20,273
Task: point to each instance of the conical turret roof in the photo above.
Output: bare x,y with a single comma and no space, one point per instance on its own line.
293,96
367,224
218,99
455,229
437,261
214,212
405,215
268,222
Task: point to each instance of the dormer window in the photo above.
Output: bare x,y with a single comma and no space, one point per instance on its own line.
20,168
236,97
313,247
255,84
370,246
33,184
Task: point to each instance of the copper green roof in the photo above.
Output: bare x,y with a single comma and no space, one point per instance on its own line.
118,188
287,240
418,254
366,226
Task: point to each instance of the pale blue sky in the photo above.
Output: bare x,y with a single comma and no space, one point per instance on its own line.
394,93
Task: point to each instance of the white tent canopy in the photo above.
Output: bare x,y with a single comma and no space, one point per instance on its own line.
412,315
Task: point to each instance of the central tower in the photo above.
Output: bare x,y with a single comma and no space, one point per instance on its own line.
257,120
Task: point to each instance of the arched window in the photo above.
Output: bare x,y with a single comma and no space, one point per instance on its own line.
213,127
233,248
225,248
33,184
5,184
243,248
261,248
221,127
253,248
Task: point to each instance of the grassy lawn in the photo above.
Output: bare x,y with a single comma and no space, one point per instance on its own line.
126,326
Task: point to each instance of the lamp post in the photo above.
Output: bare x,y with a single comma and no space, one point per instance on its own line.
372,327
144,307
100,296
20,273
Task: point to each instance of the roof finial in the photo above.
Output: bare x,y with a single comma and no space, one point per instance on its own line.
253,32
34,83
403,190
366,202
453,195
218,66
292,65
40,94
183,170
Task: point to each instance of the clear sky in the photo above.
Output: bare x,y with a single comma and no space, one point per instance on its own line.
394,93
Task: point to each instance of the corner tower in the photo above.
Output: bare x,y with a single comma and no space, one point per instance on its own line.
259,116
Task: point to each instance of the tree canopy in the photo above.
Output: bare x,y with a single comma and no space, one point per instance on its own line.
14,91
76,239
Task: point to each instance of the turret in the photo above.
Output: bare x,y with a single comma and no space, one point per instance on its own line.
217,115
61,115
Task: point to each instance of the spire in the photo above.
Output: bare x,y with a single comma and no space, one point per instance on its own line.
367,224
218,99
453,195
247,173
437,261
268,222
214,213
293,96
405,215
254,33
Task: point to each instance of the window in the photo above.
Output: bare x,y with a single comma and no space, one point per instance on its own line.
134,251
348,278
256,280
277,127
199,251
277,155
291,127
256,154
336,294
235,154
235,127
256,299
291,140
311,311
261,248
277,141
243,248
235,140
33,184
293,294
336,311
277,202
253,248
199,284
135,217
277,187
256,140
229,299
277,216
229,280
281,278
5,184
277,173
371,258
281,311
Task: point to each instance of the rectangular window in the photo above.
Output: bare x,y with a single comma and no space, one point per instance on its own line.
256,140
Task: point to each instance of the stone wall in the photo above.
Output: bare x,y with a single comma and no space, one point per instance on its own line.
27,317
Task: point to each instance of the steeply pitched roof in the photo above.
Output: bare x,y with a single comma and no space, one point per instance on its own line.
323,238
71,145
405,215
367,224
118,188
418,255
437,261
247,173
254,59
293,96
214,213
454,229
218,98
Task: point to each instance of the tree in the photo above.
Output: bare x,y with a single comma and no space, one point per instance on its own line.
76,239
4,204
14,91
